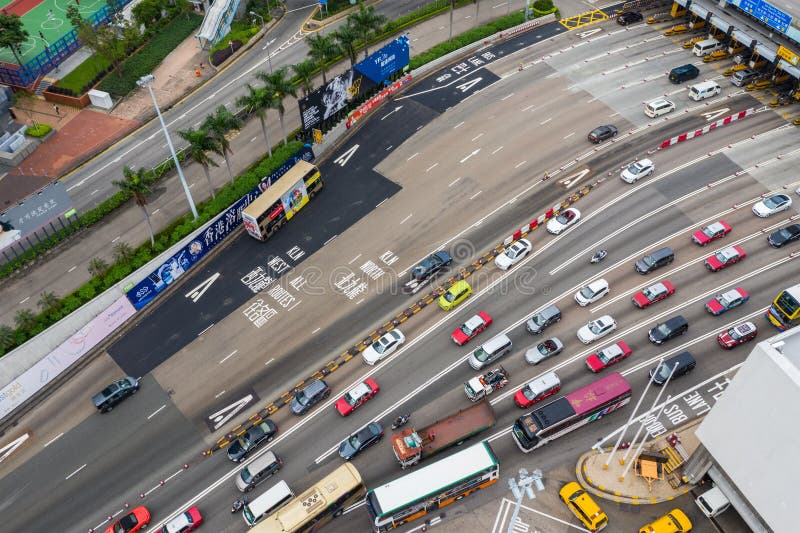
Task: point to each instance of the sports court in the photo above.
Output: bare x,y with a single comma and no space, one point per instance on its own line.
46,22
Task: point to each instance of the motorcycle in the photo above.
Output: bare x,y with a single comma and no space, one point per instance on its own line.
598,256
400,421
238,504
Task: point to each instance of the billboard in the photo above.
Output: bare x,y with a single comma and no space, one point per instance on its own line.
381,65
332,97
146,290
766,13
33,212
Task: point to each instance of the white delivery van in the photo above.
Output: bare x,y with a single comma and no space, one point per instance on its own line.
703,48
712,502
267,503
706,89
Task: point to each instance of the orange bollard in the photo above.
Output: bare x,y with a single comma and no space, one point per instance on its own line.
197,73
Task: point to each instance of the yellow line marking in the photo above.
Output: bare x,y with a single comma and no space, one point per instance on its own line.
584,19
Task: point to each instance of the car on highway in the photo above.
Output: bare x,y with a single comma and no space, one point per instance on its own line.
563,221
771,205
356,397
592,292
725,258
629,17
547,348
360,440
457,293
667,330
470,329
738,334
106,399
652,261
710,233
637,170
652,294
385,346
537,390
310,396
251,439
597,329
784,236
602,133
608,356
658,107
677,365
543,319
513,254
431,265
134,521
186,521
726,301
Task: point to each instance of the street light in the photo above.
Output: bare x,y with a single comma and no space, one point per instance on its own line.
147,81
266,46
522,487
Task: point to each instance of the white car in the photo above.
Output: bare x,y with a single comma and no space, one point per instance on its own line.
637,170
383,347
564,220
597,329
513,254
592,292
771,205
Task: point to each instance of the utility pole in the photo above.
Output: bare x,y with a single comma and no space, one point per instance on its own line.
521,487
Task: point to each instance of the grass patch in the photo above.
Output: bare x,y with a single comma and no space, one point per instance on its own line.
38,130
240,31
83,75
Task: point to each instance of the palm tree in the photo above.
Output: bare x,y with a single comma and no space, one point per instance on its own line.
279,84
346,36
322,49
139,184
366,22
123,252
97,266
7,337
304,71
26,319
258,101
200,144
48,301
219,124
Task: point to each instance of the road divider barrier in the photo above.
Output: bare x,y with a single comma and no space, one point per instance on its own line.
708,128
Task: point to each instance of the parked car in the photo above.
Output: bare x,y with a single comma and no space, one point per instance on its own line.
771,205
307,398
738,334
106,399
184,522
136,520
513,254
712,232
784,236
537,390
629,17
251,439
653,293
591,292
602,133
383,347
726,301
431,265
545,349
670,329
457,293
610,355
360,440
356,397
677,365
725,258
637,170
563,221
470,329
597,329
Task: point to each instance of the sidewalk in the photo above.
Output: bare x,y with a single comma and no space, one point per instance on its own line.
609,483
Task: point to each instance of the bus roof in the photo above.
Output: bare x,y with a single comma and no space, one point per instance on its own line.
278,189
431,478
587,398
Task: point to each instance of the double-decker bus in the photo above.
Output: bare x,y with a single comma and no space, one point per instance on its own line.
784,313
432,487
571,412
279,203
318,505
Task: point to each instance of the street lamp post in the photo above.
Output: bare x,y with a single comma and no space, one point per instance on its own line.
266,46
522,487
147,81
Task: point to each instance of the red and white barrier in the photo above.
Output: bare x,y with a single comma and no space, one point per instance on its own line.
377,99
708,128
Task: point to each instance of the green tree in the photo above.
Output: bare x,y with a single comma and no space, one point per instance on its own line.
12,34
346,37
258,101
200,144
304,71
97,266
123,252
48,301
218,125
146,12
26,319
281,86
8,337
321,50
366,23
138,185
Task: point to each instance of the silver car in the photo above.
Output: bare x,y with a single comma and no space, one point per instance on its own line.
547,348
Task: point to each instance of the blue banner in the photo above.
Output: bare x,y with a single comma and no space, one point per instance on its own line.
380,65
146,290
766,13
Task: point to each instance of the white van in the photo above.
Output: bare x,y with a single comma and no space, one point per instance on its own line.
267,503
703,48
712,502
490,351
659,107
706,89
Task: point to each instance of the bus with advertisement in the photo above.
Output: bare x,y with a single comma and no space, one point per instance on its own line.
570,412
432,487
282,200
784,313
318,505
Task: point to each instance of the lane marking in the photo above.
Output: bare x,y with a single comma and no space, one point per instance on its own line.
217,395
453,182
569,135
545,121
25,299
506,97
406,219
73,267
353,260
75,472
228,356
477,137
381,203
268,362
329,240
432,167
208,328
458,125
51,441
497,150
475,195
412,157
520,164
157,411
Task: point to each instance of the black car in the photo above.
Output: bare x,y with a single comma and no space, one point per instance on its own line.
431,265
670,329
360,440
784,236
683,363
601,133
629,17
106,399
250,440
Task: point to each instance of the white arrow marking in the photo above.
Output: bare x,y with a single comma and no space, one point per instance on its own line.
470,155
345,157
229,411
9,448
201,289
587,33
395,110
469,84
711,115
574,178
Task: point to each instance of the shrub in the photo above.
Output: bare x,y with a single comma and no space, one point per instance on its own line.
38,130
544,5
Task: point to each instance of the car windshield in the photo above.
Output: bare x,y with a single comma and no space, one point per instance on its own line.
539,320
663,329
595,327
545,348
734,334
380,345
723,300
449,296
784,233
466,330
586,292
481,355
648,260
511,253
664,371
562,219
354,441
301,398
247,477
528,393
351,398
634,168
773,202
605,356
708,231
650,293
722,258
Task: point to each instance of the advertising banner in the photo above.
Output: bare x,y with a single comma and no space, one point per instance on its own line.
294,200
329,99
33,212
381,65
146,290
359,113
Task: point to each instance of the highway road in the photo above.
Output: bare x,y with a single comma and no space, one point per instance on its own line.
462,180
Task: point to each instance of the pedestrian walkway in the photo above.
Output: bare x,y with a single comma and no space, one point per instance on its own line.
606,476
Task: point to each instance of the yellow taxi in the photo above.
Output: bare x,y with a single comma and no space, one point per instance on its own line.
457,293
674,521
583,506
